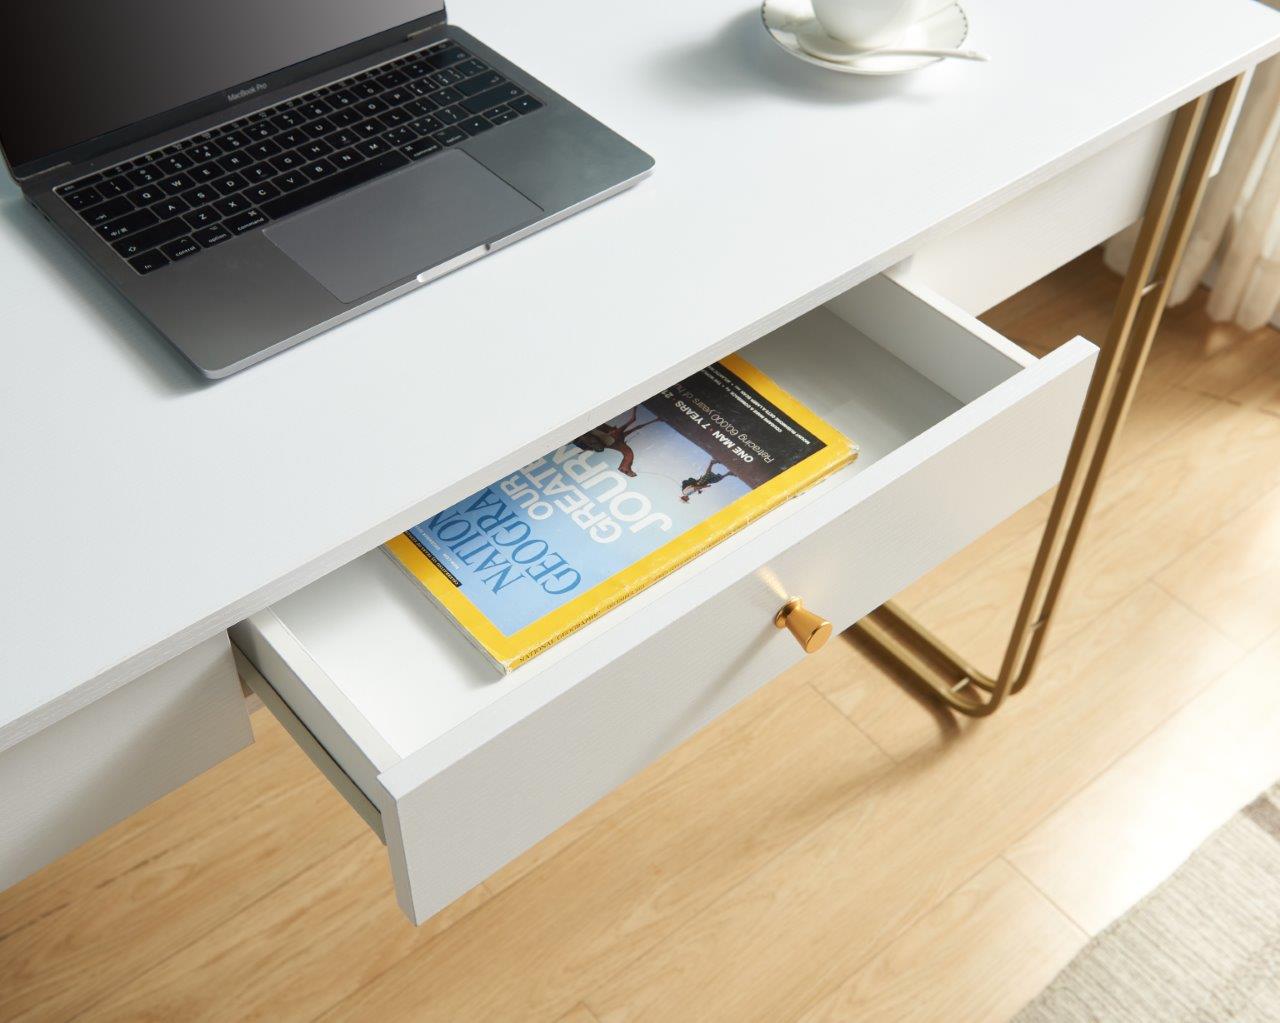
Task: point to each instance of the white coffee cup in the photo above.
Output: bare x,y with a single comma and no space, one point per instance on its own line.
868,23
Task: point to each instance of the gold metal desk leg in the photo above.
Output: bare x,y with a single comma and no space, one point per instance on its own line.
1175,197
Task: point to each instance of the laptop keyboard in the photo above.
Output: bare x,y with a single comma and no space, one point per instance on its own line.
190,196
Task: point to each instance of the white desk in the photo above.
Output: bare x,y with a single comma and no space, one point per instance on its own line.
146,511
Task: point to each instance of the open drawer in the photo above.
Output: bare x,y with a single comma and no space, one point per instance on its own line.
460,769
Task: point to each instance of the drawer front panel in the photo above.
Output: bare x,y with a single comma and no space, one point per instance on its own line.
993,257
449,827
76,778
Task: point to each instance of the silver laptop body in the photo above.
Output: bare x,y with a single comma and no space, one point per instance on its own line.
300,248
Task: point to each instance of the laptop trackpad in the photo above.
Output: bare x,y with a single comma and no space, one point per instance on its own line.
395,227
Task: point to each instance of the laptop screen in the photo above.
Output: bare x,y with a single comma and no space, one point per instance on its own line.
71,70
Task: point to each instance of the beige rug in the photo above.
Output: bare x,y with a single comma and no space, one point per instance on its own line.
1203,947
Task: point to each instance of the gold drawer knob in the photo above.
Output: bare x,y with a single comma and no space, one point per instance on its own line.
810,630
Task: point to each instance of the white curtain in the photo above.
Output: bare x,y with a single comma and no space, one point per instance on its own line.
1235,243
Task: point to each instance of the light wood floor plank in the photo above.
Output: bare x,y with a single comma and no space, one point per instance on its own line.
578,1014
983,953
353,932
130,899
1115,841
1232,578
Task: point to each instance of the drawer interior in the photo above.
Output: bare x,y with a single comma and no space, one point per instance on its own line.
394,675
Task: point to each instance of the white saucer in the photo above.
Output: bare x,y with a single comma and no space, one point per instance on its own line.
794,28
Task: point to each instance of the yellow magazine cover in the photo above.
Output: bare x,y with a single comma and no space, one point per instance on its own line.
537,555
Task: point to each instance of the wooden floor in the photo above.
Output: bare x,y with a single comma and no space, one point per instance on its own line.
834,850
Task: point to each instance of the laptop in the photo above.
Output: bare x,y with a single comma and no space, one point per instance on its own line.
250,174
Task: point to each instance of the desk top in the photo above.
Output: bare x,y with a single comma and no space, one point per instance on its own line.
145,509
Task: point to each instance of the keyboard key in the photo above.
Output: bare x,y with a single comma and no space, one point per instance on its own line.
342,98
177,183
150,237
262,150
446,96
370,107
346,158
372,147
452,115
315,150
293,138
342,139
232,140
315,108
418,69
205,172
180,248
391,79
525,105
364,90
119,185
395,116
419,148
142,176
501,115
318,128
146,195
427,125
82,198
291,181
231,204
234,161
260,132
148,261
446,77
368,129
334,183
202,152
229,183
471,67
261,193
450,55
286,120
174,164
474,125
481,83
345,117
394,97
130,223
451,136
420,107
286,161
170,207
109,210
200,195
246,221
210,236
318,169
259,172
400,136
491,98
203,217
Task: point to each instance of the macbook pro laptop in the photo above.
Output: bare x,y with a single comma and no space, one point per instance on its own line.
249,174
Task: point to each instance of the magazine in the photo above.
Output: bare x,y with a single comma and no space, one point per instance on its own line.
528,560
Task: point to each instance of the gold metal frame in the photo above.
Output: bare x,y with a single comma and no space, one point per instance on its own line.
1175,197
